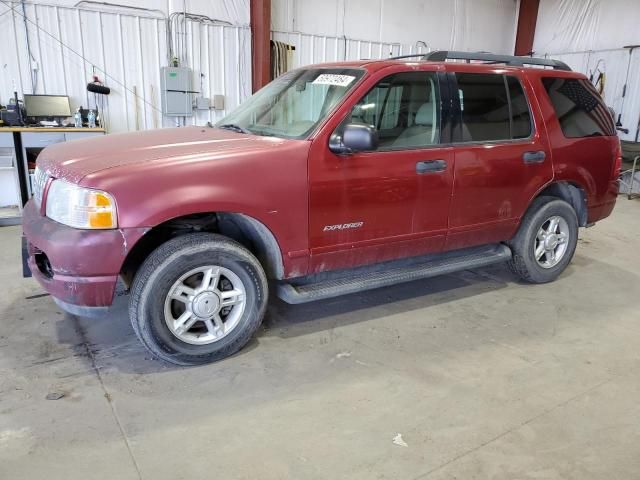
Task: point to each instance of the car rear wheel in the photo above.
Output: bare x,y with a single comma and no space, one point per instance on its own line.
198,298
546,240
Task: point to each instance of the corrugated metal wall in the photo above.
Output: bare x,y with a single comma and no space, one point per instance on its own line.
126,51
319,48
68,45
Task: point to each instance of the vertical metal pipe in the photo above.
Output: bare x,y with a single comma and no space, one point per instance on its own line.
209,76
15,37
239,80
84,63
29,54
223,65
324,49
142,83
124,72
135,107
102,51
184,25
59,33
191,56
43,82
154,100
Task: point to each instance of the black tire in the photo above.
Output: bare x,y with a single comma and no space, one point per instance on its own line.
524,263
165,266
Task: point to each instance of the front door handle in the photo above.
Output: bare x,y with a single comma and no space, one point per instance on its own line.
431,166
533,157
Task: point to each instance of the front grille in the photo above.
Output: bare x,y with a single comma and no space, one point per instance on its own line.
38,183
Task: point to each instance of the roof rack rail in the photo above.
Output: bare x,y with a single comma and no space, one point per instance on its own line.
442,55
413,55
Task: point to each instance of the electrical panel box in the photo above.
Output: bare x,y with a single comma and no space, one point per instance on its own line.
202,103
218,102
176,91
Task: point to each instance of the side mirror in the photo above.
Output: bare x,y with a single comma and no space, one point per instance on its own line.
355,138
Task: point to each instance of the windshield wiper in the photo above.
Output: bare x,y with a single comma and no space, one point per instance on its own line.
234,128
263,133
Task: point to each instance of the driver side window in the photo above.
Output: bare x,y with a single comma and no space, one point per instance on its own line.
404,109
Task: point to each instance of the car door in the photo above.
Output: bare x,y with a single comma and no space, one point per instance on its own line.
502,155
393,202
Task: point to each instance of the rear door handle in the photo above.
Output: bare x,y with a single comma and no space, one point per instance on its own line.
431,166
533,157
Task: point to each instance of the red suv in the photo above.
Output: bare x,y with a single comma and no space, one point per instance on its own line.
332,179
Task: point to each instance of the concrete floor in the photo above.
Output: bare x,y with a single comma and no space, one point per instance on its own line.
482,376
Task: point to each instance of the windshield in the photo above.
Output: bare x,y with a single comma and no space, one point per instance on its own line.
293,104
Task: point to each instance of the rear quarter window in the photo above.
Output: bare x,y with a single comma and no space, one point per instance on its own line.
579,108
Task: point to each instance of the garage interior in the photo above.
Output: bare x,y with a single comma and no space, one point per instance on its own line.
469,375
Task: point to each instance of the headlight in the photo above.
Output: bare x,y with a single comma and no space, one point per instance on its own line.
80,207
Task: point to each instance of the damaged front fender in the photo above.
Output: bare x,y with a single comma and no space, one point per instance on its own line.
82,265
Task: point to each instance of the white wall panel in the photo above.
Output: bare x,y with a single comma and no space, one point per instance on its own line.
126,51
590,33
574,25
455,24
312,49
234,11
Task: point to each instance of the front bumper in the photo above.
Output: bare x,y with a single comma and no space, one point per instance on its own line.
79,268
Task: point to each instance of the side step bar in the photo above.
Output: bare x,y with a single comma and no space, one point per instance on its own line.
322,286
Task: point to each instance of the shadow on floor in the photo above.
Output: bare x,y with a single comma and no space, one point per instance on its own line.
111,342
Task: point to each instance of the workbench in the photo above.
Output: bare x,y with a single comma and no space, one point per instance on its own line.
19,148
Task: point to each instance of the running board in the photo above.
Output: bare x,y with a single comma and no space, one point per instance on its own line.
327,285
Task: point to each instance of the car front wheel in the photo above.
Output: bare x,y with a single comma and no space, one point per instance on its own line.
198,298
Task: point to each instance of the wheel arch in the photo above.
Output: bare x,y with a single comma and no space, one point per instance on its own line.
572,193
246,230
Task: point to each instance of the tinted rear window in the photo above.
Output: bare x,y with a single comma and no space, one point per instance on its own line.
578,107
485,107
494,107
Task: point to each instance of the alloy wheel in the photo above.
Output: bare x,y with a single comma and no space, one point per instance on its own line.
204,305
551,242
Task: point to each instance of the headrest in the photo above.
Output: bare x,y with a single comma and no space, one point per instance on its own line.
424,115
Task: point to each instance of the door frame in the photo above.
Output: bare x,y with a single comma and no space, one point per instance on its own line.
461,236
320,142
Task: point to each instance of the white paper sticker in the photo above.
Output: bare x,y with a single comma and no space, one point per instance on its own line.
333,79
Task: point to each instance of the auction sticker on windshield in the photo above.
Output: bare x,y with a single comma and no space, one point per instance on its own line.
334,79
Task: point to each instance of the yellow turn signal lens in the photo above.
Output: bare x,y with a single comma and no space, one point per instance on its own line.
101,213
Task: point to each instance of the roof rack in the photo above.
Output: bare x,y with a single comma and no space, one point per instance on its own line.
413,55
442,55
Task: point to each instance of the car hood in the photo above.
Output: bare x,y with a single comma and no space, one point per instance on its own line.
74,160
